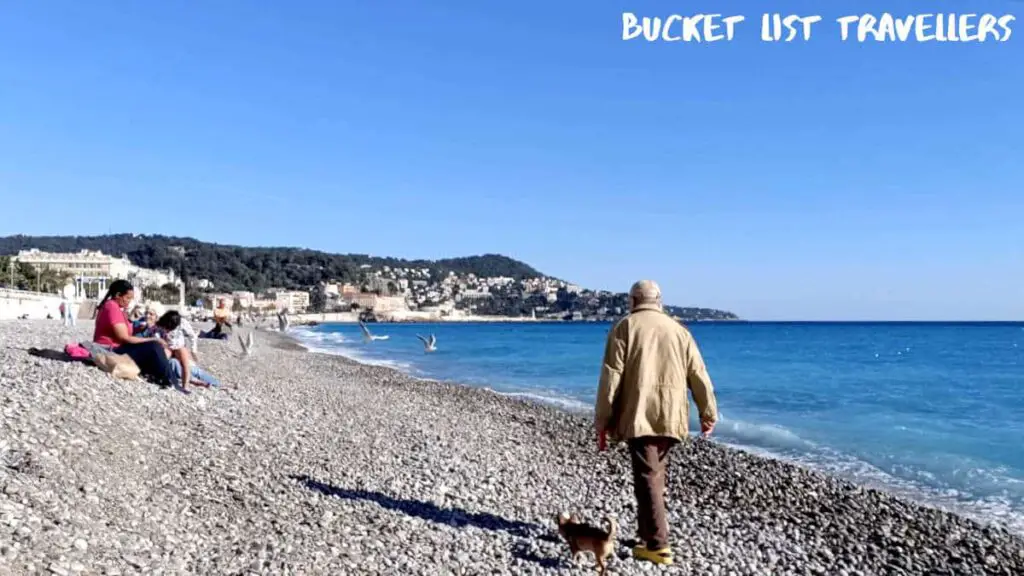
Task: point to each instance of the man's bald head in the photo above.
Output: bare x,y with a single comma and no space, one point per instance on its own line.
644,292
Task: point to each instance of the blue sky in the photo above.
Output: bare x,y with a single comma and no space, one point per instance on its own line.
806,181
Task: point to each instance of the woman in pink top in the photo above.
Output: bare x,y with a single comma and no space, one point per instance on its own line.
113,332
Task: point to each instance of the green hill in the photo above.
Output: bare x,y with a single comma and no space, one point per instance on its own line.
258,268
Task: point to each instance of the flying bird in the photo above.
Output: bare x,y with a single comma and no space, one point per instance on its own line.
429,344
247,344
369,337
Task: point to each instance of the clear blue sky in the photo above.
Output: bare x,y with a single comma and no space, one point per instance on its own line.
806,181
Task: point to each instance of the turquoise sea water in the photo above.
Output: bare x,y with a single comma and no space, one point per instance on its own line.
933,411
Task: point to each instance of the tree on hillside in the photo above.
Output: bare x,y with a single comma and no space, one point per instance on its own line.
10,273
256,269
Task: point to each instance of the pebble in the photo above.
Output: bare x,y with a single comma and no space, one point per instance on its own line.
308,463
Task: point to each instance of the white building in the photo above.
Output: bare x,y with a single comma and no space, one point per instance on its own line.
142,277
291,300
390,304
244,298
369,301
92,271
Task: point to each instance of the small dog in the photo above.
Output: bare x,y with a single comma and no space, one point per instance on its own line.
585,538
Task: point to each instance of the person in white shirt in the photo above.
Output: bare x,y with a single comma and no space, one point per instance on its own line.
69,311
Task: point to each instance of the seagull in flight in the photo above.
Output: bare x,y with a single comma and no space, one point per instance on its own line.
429,344
367,336
247,344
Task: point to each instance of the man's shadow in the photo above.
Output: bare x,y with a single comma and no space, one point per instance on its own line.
456,517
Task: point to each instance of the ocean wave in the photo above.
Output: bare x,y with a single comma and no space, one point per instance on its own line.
337,345
767,436
570,404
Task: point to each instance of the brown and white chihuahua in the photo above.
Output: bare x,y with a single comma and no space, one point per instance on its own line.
585,538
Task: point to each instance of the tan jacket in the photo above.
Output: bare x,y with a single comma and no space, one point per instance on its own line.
649,362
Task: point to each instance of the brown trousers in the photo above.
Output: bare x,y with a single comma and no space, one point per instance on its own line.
650,459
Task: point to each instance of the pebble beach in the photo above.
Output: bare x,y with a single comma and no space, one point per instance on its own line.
309,463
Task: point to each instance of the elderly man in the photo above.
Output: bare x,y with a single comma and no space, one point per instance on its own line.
649,363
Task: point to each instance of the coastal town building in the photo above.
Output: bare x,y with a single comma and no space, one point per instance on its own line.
389,304
364,300
244,298
292,300
264,304
92,271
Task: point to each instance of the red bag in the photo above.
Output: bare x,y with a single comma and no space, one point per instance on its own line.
77,351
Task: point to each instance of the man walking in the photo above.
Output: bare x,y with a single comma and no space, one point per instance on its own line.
649,363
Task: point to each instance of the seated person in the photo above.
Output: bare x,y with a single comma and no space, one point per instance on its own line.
113,334
221,323
153,311
177,333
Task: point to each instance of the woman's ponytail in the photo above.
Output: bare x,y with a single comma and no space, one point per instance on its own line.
117,288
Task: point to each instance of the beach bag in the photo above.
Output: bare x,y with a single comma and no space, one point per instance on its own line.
77,352
118,365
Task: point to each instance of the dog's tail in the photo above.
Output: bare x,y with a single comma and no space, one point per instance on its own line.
613,527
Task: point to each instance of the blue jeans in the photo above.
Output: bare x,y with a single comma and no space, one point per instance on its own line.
195,372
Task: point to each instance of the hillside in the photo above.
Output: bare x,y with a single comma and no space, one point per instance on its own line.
260,268
245,268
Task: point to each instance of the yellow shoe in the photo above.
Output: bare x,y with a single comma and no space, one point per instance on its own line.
663,556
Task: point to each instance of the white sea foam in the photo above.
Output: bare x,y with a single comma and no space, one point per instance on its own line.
1000,509
570,404
336,344
761,435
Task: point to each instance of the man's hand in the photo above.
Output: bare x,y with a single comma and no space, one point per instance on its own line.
706,428
602,440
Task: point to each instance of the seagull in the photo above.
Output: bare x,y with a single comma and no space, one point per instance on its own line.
247,344
429,344
367,336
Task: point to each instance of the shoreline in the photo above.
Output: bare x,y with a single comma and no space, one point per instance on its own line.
919,496
315,463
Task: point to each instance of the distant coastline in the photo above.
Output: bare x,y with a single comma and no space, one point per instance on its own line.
307,319
349,318
486,287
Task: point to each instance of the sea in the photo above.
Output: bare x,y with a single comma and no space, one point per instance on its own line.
929,411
